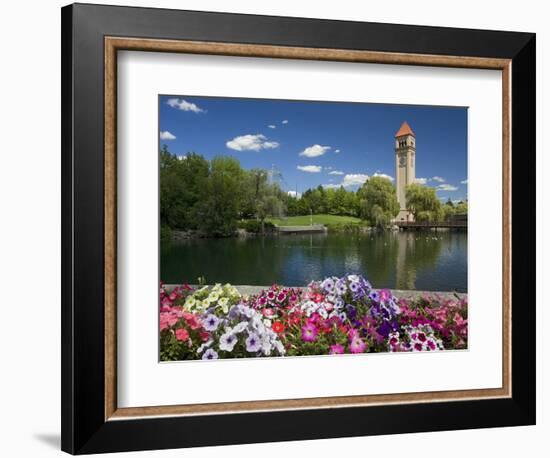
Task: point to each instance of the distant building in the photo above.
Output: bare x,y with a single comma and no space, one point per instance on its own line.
405,152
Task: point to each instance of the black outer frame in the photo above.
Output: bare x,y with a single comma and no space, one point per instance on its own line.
84,429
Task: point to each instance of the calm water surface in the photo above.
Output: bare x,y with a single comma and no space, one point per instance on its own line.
431,261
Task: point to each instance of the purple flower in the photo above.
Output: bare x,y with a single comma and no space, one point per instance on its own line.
351,311
210,354
384,329
253,343
309,332
336,349
211,322
374,296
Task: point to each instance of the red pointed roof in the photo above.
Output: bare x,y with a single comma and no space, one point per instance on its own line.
405,129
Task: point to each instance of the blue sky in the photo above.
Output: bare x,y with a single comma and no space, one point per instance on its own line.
319,143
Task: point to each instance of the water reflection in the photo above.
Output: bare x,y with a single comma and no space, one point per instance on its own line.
434,261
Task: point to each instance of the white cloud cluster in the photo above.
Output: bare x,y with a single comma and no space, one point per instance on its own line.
184,105
421,180
438,179
295,194
446,187
285,121
336,150
251,143
464,181
383,175
165,135
336,172
272,126
354,179
310,168
315,150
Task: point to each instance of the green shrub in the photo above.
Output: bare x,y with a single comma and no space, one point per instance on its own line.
255,227
165,233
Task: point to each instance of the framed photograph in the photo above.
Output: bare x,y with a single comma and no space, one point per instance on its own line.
281,229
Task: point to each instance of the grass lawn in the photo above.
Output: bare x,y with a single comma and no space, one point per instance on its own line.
317,219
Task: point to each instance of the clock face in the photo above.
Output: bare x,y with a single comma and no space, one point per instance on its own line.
402,161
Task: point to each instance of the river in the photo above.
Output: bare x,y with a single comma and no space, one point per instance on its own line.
428,261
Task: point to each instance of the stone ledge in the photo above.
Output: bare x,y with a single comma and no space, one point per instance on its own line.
247,290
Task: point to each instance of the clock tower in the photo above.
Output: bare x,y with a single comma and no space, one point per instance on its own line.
405,152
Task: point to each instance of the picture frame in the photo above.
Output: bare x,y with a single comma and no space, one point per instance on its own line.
92,35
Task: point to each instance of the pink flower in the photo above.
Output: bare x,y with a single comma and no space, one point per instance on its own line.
281,297
357,345
336,349
167,320
459,320
267,312
193,322
182,334
385,295
309,332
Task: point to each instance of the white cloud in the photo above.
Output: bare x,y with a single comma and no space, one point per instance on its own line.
184,105
309,168
421,180
332,186
272,126
251,143
295,194
446,187
165,135
336,150
354,179
464,181
182,157
314,151
336,172
285,121
383,175
438,179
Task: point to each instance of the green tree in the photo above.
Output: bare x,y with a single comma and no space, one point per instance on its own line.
181,181
423,203
378,201
220,201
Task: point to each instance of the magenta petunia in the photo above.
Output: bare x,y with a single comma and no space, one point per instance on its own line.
309,332
336,349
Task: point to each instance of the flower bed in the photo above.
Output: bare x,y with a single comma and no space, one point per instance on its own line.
334,316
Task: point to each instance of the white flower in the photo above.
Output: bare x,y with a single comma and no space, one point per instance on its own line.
190,302
204,346
240,327
223,303
213,296
228,341
279,347
267,323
